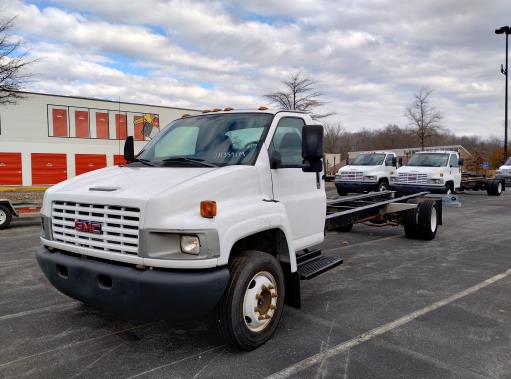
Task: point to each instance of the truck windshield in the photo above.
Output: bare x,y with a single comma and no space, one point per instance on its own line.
209,140
429,160
508,162
368,160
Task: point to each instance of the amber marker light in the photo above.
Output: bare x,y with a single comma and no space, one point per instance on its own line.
208,208
262,108
206,111
228,109
186,115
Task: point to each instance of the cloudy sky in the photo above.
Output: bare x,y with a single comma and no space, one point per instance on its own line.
368,57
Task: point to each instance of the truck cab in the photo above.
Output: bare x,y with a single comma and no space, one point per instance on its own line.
367,172
504,171
205,220
433,171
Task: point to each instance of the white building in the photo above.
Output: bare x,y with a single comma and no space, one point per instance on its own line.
45,139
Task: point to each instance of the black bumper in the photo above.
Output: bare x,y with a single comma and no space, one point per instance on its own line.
349,187
135,293
407,189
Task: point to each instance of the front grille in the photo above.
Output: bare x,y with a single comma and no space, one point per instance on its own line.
352,176
409,178
119,226
506,171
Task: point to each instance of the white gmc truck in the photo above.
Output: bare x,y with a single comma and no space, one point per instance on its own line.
216,217
504,171
367,172
433,171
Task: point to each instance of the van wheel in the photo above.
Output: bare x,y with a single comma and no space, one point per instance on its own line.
383,186
5,217
252,305
494,188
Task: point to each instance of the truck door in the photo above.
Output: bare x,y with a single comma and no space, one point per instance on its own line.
304,202
455,170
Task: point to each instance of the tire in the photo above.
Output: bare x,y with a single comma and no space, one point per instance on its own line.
5,217
344,228
494,188
410,223
449,188
427,220
252,305
383,186
341,193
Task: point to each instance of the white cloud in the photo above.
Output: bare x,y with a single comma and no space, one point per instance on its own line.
367,57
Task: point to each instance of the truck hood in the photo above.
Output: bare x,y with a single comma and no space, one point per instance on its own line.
359,168
129,182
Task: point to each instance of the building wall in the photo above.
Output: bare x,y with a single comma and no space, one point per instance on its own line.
27,128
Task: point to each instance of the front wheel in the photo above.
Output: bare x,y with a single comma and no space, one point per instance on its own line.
383,186
252,305
5,217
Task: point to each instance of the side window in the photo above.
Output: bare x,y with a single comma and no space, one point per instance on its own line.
287,141
388,160
454,160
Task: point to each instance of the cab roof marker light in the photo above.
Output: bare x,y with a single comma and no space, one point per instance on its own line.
206,111
262,108
216,110
186,115
228,109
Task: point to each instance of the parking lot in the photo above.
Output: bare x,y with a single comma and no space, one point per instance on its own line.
395,308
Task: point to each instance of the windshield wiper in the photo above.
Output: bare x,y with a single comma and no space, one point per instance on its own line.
196,161
147,162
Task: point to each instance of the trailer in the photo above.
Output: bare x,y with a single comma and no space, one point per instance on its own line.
474,182
10,209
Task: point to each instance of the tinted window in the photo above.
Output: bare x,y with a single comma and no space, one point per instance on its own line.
287,141
429,160
368,160
388,160
454,161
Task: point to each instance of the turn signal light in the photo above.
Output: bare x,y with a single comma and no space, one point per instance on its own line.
208,208
262,108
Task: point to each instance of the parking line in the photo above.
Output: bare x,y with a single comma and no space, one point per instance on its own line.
371,334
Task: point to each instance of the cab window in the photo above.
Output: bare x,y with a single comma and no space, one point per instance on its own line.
388,160
454,162
287,141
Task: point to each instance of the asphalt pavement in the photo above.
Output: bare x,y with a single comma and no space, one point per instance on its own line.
395,308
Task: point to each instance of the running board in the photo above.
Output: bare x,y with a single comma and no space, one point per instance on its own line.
312,264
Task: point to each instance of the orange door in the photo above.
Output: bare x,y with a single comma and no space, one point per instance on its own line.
102,126
121,128
48,168
89,162
139,126
119,160
82,124
59,122
10,169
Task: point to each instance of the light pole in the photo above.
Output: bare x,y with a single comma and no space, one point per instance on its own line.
505,30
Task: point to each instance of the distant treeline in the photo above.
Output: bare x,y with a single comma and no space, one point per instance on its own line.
340,141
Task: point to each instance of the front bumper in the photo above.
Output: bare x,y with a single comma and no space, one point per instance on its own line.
125,290
406,189
345,186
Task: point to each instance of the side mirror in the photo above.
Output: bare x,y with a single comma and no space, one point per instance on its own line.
129,150
275,159
312,148
461,161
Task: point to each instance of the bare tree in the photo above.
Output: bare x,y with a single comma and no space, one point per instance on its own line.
424,118
299,93
333,138
12,65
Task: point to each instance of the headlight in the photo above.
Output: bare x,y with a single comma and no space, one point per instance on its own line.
435,181
190,245
370,178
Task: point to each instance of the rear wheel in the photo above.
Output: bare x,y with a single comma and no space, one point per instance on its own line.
410,223
5,217
252,305
427,221
494,188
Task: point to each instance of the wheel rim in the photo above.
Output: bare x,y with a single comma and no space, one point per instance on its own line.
433,220
260,301
3,217
383,187
449,191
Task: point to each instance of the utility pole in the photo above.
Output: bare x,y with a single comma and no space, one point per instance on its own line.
505,30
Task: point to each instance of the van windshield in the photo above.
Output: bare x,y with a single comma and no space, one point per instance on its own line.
368,160
209,140
429,160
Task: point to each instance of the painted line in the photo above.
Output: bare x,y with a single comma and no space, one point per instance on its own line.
376,332
38,310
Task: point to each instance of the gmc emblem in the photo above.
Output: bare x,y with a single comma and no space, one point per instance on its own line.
88,227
